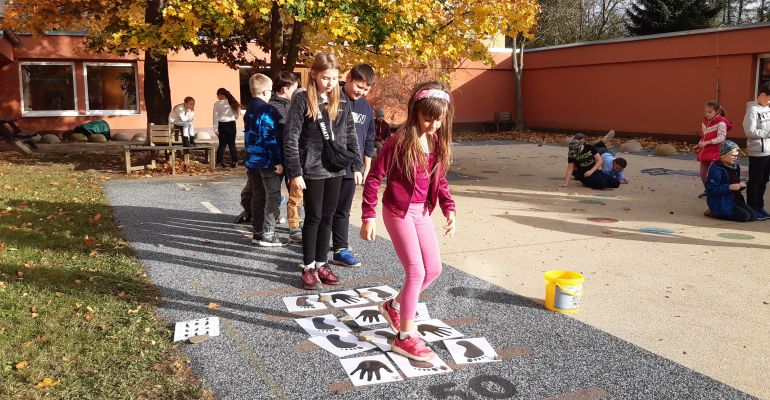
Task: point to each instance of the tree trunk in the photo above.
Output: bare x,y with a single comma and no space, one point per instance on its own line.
292,53
517,60
157,92
276,41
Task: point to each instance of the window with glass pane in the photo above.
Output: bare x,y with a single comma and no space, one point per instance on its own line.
48,87
111,88
764,71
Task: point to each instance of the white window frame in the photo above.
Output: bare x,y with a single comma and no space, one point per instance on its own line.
760,57
110,112
48,113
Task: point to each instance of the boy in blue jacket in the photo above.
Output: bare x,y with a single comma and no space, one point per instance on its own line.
263,136
724,186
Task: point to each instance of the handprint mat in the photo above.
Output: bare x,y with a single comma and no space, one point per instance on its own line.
366,316
323,325
470,351
434,330
379,293
345,298
370,370
413,369
303,303
342,345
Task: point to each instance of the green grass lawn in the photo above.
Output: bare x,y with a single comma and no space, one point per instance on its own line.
75,305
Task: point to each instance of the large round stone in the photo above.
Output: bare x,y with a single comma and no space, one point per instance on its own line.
140,137
121,137
631,146
50,138
78,137
202,135
665,150
97,138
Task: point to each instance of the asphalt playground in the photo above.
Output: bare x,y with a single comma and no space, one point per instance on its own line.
182,231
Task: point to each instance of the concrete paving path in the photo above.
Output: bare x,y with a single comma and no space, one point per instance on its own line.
182,231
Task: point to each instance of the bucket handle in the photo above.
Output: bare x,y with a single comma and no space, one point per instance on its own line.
567,291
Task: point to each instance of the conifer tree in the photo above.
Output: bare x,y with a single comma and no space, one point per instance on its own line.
647,17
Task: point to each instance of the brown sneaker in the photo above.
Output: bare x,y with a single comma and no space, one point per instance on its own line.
327,276
310,280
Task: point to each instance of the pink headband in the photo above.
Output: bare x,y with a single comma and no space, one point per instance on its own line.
432,94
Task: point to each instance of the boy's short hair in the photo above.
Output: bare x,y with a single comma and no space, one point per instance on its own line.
188,99
764,89
363,72
283,80
259,83
621,161
579,136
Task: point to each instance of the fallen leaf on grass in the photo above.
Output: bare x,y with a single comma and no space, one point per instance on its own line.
2,246
78,281
21,365
47,383
59,294
88,242
96,217
7,187
213,305
89,317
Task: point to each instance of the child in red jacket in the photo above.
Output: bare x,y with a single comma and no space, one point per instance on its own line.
714,130
415,160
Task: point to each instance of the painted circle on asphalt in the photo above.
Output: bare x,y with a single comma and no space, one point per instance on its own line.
657,231
601,220
737,236
599,202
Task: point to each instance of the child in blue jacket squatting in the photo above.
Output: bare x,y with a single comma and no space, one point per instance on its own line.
263,135
724,186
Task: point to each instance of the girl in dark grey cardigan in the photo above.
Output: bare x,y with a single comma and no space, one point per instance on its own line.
303,145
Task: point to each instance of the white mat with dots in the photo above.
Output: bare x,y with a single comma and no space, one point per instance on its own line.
205,326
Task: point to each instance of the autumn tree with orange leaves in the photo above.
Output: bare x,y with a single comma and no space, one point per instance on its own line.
390,35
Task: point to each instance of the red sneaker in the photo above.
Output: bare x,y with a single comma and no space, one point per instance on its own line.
391,315
327,276
413,347
310,280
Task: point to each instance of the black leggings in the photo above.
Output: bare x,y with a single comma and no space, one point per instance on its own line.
320,198
341,221
226,139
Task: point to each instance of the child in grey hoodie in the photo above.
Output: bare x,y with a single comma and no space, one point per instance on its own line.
756,125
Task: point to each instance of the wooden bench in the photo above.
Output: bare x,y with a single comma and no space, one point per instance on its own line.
502,122
161,138
11,133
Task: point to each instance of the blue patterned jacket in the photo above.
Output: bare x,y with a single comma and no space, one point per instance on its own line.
263,135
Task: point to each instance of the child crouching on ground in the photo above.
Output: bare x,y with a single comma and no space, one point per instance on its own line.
264,160
723,187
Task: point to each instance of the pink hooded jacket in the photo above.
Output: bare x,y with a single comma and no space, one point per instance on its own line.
398,193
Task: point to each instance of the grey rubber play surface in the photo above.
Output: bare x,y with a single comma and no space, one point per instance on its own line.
196,256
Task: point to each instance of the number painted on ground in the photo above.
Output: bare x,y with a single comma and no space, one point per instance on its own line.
479,387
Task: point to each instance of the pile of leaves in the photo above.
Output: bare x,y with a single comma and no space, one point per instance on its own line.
194,168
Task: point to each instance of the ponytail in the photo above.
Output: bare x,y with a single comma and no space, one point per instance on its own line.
234,104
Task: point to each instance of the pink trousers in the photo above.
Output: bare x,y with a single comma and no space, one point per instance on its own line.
415,242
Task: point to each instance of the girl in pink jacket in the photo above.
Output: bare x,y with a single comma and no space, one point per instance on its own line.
714,130
415,160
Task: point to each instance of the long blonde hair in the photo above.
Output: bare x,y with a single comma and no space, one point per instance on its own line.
322,62
408,154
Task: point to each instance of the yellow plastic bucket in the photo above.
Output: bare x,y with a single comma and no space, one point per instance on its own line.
563,290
